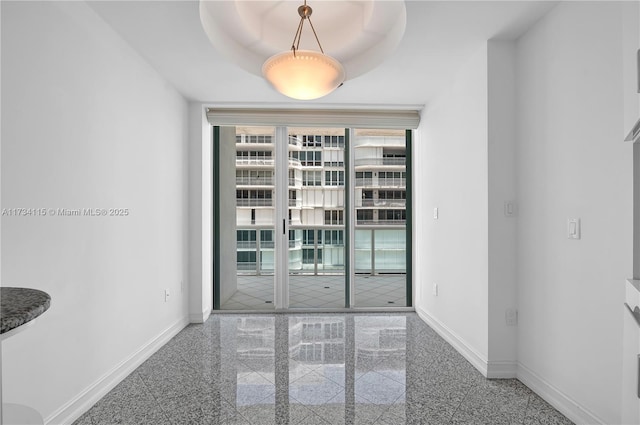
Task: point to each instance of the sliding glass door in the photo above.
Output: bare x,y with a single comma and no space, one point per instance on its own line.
300,225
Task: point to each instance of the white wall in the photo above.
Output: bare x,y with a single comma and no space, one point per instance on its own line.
502,188
450,155
571,162
87,123
464,157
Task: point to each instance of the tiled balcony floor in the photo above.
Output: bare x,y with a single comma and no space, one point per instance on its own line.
324,291
315,369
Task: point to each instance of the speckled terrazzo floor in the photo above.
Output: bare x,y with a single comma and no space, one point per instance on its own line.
323,291
384,369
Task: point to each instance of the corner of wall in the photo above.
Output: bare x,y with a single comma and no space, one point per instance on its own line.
200,214
502,207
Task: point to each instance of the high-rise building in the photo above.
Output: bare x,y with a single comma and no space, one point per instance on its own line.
317,177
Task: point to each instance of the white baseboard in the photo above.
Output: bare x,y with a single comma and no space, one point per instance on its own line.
476,359
87,398
562,402
576,412
200,317
502,369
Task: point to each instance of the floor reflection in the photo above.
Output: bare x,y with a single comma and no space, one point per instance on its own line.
289,369
337,367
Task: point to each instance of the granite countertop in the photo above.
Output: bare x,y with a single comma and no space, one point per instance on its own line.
21,305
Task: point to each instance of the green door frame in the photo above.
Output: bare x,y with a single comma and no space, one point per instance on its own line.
347,218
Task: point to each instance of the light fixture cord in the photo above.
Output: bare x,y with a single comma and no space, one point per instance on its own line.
316,35
295,45
305,14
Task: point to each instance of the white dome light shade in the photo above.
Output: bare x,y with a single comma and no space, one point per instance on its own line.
306,75
360,34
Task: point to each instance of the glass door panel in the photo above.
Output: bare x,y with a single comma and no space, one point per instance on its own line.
316,171
253,158
379,203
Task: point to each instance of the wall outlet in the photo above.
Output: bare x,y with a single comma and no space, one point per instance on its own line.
511,316
166,295
435,289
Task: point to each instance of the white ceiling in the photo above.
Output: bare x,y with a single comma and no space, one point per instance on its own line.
440,36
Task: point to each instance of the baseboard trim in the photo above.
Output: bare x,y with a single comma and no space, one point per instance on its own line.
94,392
502,369
200,317
573,410
469,353
563,403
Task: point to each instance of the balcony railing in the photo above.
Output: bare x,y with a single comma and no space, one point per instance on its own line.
246,266
254,139
400,203
396,161
380,246
364,182
295,142
255,161
381,182
393,182
295,182
254,181
254,202
398,222
252,245
297,203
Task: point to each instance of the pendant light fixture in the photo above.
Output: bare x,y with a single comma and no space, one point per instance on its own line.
303,74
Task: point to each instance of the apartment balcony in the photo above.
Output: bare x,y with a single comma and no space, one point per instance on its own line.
295,163
393,182
397,203
371,222
381,162
365,182
250,140
379,249
257,162
254,202
254,181
295,244
295,182
251,245
295,143
381,182
382,142
296,203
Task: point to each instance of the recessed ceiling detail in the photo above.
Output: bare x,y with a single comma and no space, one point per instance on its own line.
360,34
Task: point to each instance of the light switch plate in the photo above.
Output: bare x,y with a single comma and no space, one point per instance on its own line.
509,208
435,213
573,228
